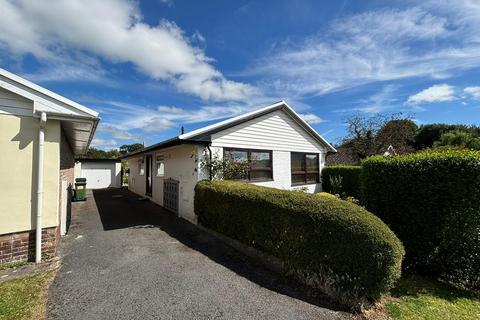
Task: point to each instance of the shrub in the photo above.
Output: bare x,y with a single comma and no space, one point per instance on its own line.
326,195
431,200
328,243
350,179
457,138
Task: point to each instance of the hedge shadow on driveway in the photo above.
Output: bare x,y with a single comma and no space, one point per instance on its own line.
119,208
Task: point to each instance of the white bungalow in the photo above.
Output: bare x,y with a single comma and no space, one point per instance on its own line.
283,151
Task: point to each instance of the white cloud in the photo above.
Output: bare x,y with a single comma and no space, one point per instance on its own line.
103,143
167,117
311,118
197,36
434,39
436,93
114,30
131,116
380,101
156,124
473,92
69,72
116,131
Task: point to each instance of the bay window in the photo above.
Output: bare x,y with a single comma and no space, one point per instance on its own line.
304,168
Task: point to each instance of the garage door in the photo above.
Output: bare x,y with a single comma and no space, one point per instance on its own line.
99,175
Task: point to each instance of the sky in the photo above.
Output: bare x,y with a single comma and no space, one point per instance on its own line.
151,67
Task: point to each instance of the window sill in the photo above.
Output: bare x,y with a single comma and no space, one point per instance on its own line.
251,181
303,184
255,181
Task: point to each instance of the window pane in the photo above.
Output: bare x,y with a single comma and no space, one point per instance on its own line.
260,159
298,162
312,162
160,168
312,177
141,168
236,155
298,178
260,175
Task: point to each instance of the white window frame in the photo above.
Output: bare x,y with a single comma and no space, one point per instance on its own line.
160,160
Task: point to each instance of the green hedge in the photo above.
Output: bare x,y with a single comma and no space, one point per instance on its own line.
350,179
431,200
329,243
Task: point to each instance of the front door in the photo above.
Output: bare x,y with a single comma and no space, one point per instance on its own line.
148,175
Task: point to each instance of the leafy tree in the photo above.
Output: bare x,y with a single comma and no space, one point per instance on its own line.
94,153
398,133
127,148
458,138
372,135
429,133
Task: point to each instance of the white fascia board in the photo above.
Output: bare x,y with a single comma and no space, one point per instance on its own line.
315,133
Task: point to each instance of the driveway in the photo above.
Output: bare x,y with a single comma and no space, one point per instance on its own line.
129,259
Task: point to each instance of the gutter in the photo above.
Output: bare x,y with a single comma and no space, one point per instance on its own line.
41,147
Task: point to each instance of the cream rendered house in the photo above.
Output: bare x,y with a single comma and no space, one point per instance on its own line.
283,151
40,133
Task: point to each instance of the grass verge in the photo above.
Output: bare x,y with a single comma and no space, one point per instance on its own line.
10,265
25,298
416,297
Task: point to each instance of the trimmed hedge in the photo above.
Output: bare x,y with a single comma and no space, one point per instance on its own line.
350,179
325,242
431,200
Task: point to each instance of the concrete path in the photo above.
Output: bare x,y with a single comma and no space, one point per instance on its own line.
129,259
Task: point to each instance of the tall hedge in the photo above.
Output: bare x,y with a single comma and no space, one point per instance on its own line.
350,179
431,200
329,243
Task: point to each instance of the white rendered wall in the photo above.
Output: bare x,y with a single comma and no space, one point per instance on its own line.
136,182
180,163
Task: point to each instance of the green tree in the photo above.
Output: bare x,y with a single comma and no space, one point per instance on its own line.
127,148
398,133
458,138
429,133
94,153
372,135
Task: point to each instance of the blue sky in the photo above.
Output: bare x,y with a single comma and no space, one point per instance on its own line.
150,67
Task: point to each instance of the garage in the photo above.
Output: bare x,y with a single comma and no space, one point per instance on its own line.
100,173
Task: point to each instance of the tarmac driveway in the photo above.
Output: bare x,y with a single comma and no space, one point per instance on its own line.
129,259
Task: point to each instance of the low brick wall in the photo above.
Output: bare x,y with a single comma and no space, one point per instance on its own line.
20,246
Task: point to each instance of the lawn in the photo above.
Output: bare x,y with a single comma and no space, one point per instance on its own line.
25,298
420,298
